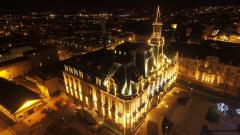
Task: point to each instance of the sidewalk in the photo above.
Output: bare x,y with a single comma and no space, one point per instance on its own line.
209,96
157,114
189,119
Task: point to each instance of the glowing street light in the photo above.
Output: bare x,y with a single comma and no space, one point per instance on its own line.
174,26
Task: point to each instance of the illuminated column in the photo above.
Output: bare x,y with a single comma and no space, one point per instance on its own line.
133,109
67,89
70,86
116,116
203,76
80,90
197,75
212,78
66,82
94,98
124,121
86,100
65,79
162,80
128,120
75,88
151,88
103,104
115,89
109,108
158,83
146,66
218,79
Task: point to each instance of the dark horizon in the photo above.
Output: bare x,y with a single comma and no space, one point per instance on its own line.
169,5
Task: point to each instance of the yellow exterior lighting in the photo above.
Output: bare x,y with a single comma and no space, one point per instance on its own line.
174,26
43,89
27,104
130,39
4,74
128,113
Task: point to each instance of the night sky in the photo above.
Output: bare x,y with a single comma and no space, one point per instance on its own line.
72,4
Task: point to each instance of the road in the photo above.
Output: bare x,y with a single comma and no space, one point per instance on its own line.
205,96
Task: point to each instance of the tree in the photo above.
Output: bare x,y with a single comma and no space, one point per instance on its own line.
213,114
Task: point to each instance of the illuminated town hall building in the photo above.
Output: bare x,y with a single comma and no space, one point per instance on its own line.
124,84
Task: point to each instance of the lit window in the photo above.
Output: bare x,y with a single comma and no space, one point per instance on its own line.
76,94
66,68
80,74
75,72
67,90
71,70
86,98
98,81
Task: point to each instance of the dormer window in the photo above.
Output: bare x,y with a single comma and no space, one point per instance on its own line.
71,70
98,81
75,72
80,74
66,68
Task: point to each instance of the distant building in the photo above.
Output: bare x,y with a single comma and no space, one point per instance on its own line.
124,37
14,53
20,60
42,56
17,102
48,79
210,71
15,67
122,85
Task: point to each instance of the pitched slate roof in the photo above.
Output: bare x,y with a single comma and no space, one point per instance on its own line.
118,64
13,96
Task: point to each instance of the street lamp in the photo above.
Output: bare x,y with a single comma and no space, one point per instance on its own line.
191,92
166,130
165,125
190,88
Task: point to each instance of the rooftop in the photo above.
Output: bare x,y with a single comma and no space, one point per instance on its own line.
13,96
50,71
118,64
13,61
226,52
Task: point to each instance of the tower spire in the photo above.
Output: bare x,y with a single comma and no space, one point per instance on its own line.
157,40
157,23
158,14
